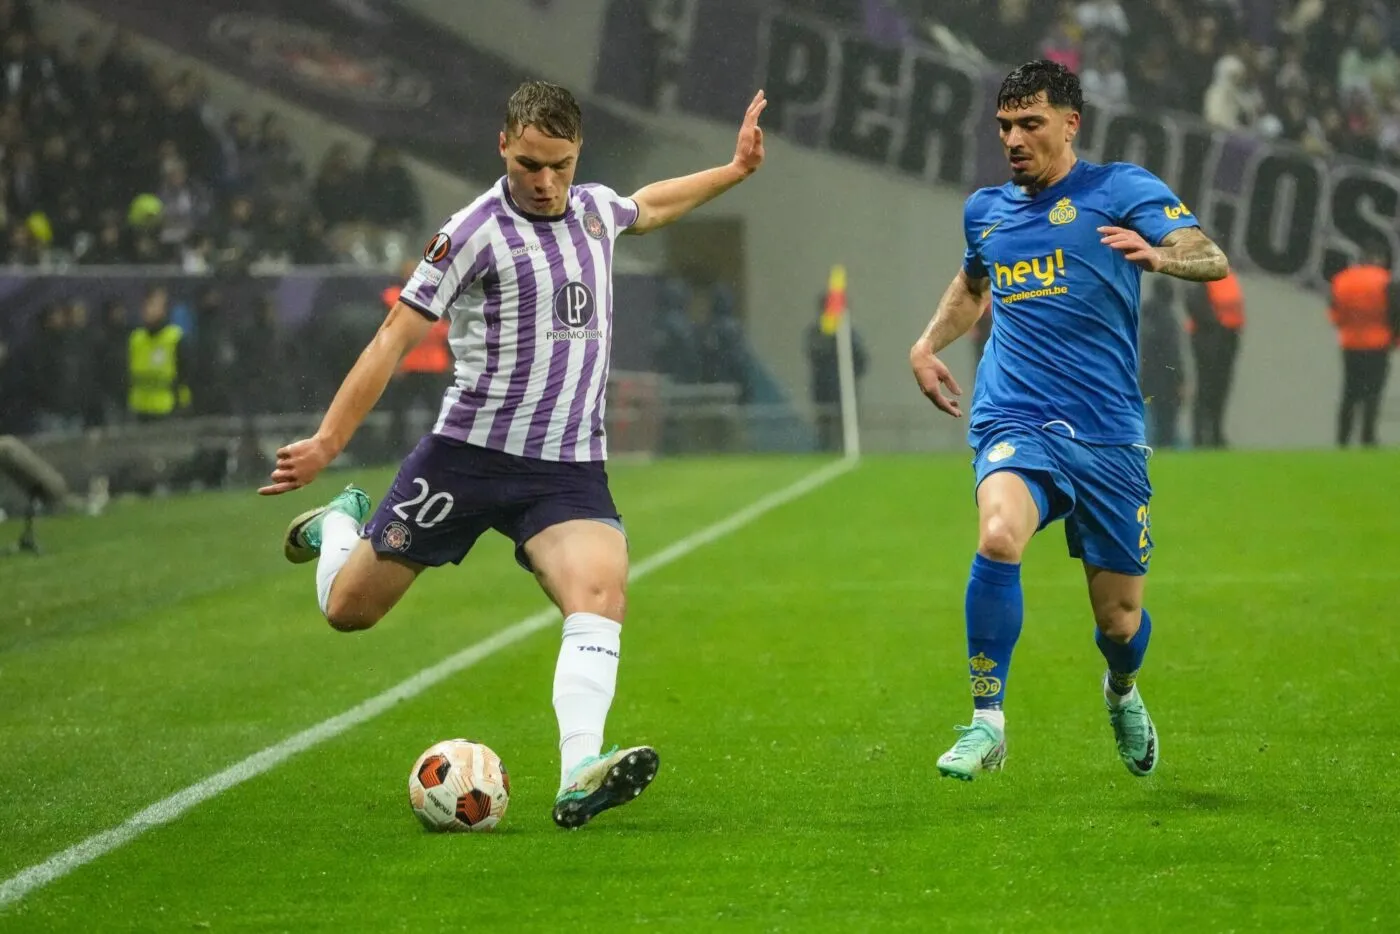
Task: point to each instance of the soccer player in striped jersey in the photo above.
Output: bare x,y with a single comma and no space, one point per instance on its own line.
524,276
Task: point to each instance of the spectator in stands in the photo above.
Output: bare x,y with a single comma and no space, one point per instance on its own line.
1103,22
44,355
1196,58
185,205
339,188
237,235
110,247
109,360
1103,79
1233,101
391,196
24,192
722,345
1063,43
676,351
1015,31
1368,66
23,249
238,150
262,348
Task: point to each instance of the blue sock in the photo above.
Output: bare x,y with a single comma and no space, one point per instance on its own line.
994,611
1125,658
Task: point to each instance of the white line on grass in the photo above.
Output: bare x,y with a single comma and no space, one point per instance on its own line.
165,811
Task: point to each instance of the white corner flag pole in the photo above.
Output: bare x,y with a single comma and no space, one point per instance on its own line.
846,373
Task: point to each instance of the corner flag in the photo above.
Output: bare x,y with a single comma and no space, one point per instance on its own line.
835,300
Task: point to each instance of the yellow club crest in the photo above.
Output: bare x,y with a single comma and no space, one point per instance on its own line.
981,663
1063,212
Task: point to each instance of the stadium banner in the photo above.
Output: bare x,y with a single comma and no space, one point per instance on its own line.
915,110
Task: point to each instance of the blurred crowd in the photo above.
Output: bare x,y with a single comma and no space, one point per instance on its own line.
699,338
1320,73
106,158
80,364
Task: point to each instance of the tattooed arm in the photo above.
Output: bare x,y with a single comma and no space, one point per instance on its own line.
1186,253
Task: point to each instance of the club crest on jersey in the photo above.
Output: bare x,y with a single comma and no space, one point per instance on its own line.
1000,452
396,536
1063,212
575,309
437,249
593,226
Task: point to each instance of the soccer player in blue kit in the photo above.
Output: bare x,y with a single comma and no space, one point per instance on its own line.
1057,417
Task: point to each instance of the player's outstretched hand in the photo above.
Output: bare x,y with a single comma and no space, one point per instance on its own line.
748,152
932,375
1132,246
297,465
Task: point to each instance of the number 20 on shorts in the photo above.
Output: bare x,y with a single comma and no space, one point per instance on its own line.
432,507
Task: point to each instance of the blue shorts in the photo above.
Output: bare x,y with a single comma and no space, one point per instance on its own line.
447,493
1100,490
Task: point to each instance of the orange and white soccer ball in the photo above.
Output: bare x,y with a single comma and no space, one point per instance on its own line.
459,785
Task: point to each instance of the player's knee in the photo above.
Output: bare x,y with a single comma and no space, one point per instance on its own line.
1000,540
346,613
1118,620
604,598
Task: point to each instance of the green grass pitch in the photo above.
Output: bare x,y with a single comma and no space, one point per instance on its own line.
799,678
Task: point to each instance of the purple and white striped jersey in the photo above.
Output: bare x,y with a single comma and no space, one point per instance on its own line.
529,302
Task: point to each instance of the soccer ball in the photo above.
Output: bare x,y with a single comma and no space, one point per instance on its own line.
459,785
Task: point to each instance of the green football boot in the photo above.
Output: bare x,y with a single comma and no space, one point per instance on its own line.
981,748
302,541
604,781
1134,733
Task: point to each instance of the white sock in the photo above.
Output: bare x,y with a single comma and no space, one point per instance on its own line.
584,681
996,718
339,536
1115,699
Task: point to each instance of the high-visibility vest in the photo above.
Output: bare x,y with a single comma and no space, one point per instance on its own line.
1360,308
153,376
1227,301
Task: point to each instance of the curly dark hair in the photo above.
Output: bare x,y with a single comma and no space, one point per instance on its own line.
547,107
1061,86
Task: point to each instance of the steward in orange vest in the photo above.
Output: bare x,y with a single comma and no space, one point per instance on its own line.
1214,319
1364,310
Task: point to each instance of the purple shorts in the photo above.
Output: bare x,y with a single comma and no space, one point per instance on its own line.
447,493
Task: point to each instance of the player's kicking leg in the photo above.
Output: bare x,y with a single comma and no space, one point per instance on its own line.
582,566
1123,630
355,587
1008,516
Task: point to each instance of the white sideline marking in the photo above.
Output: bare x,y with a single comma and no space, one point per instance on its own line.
165,811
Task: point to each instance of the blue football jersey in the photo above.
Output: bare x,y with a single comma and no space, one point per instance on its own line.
1064,341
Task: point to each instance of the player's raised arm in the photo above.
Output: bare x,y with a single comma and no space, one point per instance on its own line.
661,203
962,304
299,463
